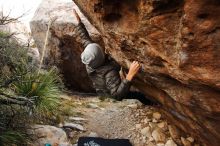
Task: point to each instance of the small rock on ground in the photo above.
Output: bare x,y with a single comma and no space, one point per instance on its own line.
73,126
157,115
170,143
158,135
49,134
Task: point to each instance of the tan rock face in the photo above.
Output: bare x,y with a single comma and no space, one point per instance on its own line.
48,134
178,45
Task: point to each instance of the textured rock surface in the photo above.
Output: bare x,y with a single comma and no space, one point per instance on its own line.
62,50
49,134
178,44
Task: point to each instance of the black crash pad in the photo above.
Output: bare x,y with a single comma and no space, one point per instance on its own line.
95,141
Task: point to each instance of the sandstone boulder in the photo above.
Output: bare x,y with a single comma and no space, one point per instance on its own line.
177,43
62,49
48,134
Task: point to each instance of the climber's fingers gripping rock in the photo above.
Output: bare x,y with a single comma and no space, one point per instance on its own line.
134,68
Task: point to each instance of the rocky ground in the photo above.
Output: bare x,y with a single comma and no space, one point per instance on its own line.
129,119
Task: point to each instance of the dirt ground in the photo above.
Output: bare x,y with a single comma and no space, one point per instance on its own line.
143,125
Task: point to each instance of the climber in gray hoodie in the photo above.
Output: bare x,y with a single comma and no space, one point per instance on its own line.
102,70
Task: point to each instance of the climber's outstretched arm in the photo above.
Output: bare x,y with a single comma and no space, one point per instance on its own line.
81,31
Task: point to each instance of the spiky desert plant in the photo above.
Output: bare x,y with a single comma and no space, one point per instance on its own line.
25,79
12,137
44,87
21,83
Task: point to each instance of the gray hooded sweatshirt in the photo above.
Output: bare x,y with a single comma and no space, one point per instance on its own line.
103,71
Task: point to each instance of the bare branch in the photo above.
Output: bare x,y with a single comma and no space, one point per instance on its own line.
11,101
8,99
6,19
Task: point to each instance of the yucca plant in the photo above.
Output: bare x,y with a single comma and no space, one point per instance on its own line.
12,137
24,89
44,87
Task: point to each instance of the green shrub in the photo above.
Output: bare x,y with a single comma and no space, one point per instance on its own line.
19,78
44,87
26,81
14,60
12,137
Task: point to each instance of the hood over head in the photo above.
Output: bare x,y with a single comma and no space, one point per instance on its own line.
93,56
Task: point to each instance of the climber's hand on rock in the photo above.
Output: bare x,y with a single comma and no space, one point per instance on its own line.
134,68
76,15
